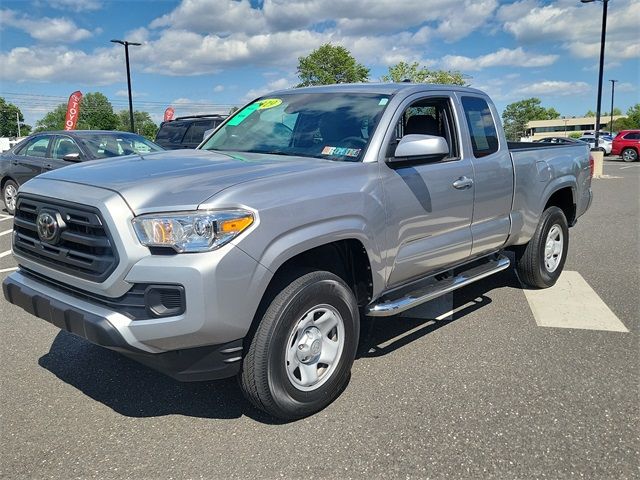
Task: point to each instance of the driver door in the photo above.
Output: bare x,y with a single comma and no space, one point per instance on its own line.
428,218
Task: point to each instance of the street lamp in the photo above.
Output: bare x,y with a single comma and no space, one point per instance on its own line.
613,89
126,56
602,40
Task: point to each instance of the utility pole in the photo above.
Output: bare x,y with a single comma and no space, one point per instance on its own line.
126,56
613,89
603,35
18,122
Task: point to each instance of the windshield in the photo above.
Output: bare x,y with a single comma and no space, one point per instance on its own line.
335,126
104,145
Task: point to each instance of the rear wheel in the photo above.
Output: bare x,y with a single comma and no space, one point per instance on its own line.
629,155
301,354
9,193
539,263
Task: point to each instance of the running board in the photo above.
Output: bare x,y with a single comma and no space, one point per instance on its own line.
434,286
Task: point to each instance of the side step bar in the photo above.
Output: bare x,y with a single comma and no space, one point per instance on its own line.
431,287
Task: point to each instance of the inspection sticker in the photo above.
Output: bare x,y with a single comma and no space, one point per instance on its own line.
340,151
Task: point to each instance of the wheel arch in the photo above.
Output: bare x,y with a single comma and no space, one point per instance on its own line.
564,198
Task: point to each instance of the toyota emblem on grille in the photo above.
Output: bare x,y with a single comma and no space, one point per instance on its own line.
48,227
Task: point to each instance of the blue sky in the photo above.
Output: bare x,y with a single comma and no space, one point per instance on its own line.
202,56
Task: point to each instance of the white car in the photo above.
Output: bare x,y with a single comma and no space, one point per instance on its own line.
605,142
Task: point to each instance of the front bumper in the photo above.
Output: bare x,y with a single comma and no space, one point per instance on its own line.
94,323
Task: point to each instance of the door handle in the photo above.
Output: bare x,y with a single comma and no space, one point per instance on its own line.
47,166
463,183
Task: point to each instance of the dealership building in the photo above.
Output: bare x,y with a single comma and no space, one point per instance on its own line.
563,127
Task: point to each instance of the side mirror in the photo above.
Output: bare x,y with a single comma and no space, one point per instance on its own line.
72,157
411,146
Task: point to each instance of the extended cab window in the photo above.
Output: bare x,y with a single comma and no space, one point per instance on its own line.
430,116
482,128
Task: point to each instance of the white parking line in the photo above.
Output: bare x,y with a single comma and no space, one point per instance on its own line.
12,269
572,303
4,254
629,166
6,232
3,218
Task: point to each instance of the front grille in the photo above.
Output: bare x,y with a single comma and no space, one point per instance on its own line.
84,247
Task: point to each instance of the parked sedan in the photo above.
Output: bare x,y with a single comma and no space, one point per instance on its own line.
50,150
559,140
604,142
627,145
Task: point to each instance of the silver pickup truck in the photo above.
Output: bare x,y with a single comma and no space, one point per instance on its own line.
257,254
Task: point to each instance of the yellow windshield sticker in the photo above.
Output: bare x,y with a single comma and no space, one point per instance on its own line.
269,103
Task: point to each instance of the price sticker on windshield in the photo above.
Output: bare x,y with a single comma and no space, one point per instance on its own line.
269,103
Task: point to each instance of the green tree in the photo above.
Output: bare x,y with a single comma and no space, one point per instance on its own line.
590,113
142,123
96,113
631,121
53,120
417,74
516,116
330,64
10,115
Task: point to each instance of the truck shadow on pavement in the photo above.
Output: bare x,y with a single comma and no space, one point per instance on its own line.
134,390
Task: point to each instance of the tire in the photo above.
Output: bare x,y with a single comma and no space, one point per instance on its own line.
277,371
9,191
629,155
539,263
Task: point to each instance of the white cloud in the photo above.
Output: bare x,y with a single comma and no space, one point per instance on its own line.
576,26
125,93
22,64
218,88
279,84
45,29
554,88
75,5
503,57
626,87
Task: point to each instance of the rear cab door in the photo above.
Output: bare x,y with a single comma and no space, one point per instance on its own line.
485,144
28,162
428,218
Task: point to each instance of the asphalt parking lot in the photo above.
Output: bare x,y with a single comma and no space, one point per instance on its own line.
484,392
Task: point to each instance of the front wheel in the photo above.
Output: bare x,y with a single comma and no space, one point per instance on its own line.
629,155
539,263
301,354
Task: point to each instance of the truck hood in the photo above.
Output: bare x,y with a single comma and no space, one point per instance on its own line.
181,179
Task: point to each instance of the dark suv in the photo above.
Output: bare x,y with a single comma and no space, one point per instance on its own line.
186,132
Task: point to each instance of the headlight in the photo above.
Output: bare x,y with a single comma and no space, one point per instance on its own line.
191,231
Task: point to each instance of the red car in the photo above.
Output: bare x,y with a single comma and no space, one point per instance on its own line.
627,145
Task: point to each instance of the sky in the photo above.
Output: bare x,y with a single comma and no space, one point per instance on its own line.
203,56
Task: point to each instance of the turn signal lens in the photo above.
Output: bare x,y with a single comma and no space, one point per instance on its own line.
236,225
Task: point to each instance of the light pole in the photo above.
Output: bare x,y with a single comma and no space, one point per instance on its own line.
613,89
126,56
18,122
602,41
